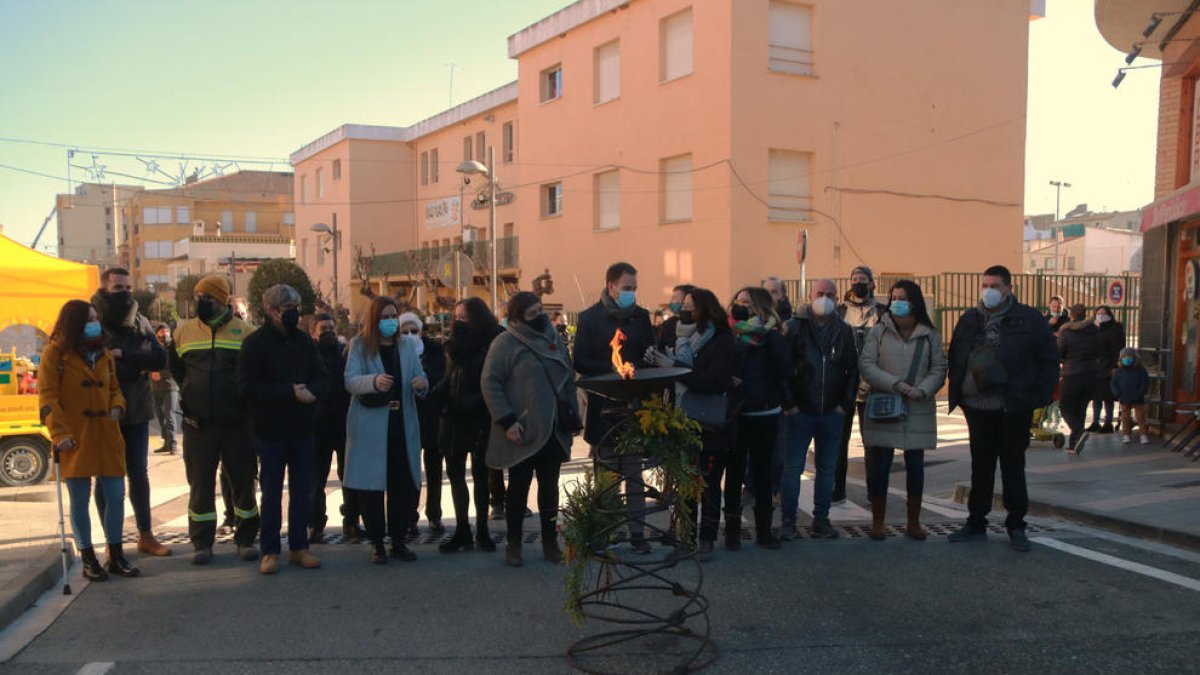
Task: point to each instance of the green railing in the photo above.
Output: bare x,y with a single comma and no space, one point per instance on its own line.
425,260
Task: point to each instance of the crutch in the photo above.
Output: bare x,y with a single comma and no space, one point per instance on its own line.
62,528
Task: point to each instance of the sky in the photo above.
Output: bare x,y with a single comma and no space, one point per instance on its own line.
260,79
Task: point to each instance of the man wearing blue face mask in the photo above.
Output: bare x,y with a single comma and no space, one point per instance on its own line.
616,310
1004,363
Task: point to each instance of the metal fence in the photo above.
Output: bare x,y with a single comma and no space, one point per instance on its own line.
949,294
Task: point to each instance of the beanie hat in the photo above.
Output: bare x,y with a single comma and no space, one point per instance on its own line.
866,271
410,317
216,286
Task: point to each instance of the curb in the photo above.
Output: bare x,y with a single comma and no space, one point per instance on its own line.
39,576
1104,521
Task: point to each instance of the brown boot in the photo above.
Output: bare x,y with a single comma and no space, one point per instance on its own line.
303,558
150,546
915,531
878,518
269,564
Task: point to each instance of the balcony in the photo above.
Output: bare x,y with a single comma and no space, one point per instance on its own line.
420,261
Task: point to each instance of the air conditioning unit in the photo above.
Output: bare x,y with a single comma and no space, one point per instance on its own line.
198,228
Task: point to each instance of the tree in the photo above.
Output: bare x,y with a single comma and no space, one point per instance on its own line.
280,271
185,292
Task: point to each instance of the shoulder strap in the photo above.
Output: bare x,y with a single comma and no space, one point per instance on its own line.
916,361
545,371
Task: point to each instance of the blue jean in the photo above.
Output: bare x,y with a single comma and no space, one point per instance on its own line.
113,517
137,449
803,429
297,456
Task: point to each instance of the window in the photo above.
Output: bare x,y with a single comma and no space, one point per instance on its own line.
1071,263
675,46
424,168
510,141
607,186
433,166
790,38
303,189
289,218
467,149
606,71
251,221
156,215
155,250
108,210
1050,264
551,83
789,191
676,189
320,184
183,214
337,169
481,146
552,195
227,221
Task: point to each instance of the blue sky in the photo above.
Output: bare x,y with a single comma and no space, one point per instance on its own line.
262,78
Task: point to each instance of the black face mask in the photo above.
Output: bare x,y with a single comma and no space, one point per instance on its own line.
328,341
687,316
208,310
539,323
460,327
860,290
290,318
740,313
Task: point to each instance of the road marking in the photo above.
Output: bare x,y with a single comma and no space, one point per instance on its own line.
96,668
1120,563
1152,546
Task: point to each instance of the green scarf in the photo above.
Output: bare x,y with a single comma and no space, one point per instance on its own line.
611,306
753,330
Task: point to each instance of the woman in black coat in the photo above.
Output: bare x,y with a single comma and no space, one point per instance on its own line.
1112,341
465,422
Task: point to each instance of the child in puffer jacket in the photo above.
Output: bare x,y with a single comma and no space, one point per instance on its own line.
1129,385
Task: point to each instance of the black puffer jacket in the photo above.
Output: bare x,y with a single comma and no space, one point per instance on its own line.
433,360
1081,348
335,404
271,364
464,414
764,370
824,378
1026,352
141,354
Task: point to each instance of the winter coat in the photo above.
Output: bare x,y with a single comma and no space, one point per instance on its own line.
367,428
861,317
593,355
1112,341
825,378
433,361
335,404
1027,353
75,401
764,371
516,389
1061,319
271,364
460,395
712,371
141,354
1081,348
204,363
885,361
1129,385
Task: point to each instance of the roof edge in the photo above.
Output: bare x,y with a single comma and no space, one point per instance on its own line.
569,17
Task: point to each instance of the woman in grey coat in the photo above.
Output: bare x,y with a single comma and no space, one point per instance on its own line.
383,436
526,373
903,336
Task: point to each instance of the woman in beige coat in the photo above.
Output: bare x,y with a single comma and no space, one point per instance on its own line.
903,337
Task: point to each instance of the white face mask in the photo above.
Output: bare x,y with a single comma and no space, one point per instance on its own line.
991,298
417,342
1102,319
822,306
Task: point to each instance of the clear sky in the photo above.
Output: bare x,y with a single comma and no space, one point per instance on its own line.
262,78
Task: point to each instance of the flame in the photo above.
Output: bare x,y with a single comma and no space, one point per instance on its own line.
620,365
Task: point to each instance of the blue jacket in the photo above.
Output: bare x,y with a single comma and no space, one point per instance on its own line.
1028,353
367,427
1130,384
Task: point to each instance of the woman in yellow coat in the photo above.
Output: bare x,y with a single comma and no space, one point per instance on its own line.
81,405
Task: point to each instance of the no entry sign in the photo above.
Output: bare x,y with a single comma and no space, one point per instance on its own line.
1116,292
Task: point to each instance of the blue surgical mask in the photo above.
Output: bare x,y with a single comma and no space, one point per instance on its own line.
626,299
901,308
1127,361
388,327
675,307
91,330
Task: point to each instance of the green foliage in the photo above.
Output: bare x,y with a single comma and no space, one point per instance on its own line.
280,271
670,441
591,516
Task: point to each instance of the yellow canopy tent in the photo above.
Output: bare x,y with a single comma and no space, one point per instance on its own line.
34,286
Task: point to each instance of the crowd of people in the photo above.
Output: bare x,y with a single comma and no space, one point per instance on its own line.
765,381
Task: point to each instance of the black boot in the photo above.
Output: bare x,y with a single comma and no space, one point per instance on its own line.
550,549
461,541
92,569
379,554
733,531
763,534
483,538
118,565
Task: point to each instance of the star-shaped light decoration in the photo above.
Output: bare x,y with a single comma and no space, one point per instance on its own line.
151,166
96,170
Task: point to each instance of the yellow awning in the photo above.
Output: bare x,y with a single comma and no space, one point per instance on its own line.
34,286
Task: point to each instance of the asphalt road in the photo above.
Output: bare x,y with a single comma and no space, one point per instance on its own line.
846,606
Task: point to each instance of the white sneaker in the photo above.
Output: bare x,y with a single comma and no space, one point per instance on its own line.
1125,439
1145,439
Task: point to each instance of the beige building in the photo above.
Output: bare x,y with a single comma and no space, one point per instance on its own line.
697,140
90,228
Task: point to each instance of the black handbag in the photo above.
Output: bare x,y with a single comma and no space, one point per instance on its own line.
889,406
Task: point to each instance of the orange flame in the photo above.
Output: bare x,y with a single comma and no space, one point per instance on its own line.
620,365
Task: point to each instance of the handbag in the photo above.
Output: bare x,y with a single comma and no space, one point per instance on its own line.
710,410
568,420
890,406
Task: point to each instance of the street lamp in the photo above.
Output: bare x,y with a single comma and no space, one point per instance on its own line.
471,168
1058,186
336,237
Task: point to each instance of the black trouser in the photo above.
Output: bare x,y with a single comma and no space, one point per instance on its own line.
1075,394
843,462
1108,410
231,446
476,438
227,496
432,456
547,464
402,490
713,457
1003,436
327,449
370,504
754,442
496,491
879,471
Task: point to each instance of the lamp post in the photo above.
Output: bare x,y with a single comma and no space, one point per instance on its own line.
473,167
336,237
1058,186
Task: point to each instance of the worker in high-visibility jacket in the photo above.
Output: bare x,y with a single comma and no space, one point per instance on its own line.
216,429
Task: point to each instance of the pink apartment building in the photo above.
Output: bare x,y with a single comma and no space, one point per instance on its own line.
696,140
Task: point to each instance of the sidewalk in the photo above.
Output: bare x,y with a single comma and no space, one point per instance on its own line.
29,548
1144,491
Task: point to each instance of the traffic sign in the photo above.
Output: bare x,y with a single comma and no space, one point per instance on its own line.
1116,292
